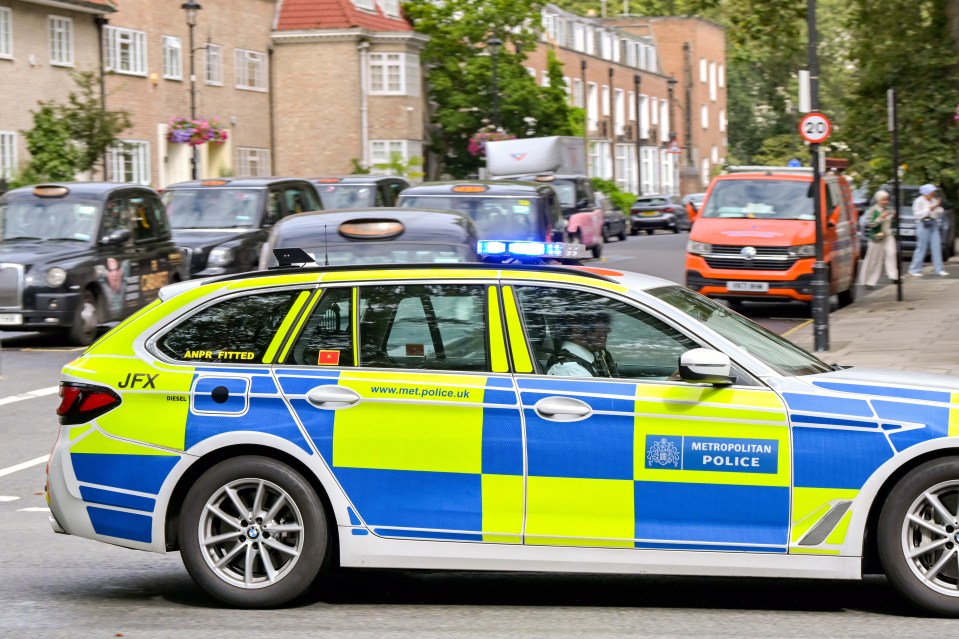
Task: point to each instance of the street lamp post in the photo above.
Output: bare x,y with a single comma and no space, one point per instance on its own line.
494,45
637,80
191,7
820,270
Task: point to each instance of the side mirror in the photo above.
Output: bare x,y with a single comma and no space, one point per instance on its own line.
582,203
116,236
705,366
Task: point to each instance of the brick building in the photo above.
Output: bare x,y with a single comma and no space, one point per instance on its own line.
692,50
40,43
348,86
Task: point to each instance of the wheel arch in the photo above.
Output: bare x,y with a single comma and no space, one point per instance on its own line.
214,457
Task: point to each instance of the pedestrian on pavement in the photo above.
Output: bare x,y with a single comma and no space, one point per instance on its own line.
927,209
881,248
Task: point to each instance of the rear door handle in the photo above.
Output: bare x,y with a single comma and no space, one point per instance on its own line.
563,409
332,397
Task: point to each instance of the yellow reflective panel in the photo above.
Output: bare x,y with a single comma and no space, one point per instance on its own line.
517,338
954,416
502,508
285,326
299,326
497,339
564,511
98,443
810,505
408,274
356,326
309,277
568,278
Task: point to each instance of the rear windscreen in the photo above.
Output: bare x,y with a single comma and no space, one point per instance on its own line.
498,218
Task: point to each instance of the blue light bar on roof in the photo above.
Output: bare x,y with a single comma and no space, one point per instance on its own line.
530,249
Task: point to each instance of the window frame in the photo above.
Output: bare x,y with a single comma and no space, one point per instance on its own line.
60,36
6,33
213,61
136,39
8,153
169,50
244,67
366,5
381,59
141,147
243,156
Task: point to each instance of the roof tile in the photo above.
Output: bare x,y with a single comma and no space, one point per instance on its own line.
335,14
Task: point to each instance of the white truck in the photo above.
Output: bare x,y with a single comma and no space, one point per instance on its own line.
559,161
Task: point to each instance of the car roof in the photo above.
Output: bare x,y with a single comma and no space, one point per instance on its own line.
419,224
355,179
94,190
494,187
246,182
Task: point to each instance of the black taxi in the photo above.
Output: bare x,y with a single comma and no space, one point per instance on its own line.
501,209
376,236
76,255
221,224
359,191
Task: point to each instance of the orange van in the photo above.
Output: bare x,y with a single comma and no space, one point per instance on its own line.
755,237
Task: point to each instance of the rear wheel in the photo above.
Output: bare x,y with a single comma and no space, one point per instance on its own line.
605,233
633,230
918,536
597,250
622,234
86,321
253,533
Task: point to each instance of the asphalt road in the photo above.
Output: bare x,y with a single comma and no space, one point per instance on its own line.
59,586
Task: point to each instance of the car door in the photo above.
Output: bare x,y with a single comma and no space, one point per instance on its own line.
412,407
621,455
121,261
840,232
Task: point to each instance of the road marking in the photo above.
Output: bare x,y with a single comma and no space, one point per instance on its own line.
33,510
27,464
30,395
8,498
796,328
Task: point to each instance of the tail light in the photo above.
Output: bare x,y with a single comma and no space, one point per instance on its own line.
668,209
79,403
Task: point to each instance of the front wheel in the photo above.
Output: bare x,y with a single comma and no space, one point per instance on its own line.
597,250
622,235
918,536
85,322
253,533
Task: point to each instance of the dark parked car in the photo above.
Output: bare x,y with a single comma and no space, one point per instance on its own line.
221,224
651,212
907,225
76,255
359,191
614,222
376,236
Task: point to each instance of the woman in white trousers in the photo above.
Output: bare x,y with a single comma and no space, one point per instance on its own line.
881,248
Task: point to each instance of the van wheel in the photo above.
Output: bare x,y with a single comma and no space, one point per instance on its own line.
918,536
85,321
253,533
847,297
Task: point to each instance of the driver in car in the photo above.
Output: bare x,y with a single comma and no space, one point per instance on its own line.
582,349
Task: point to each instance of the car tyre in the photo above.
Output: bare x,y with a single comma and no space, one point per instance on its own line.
86,321
597,250
605,233
633,230
912,519
283,523
622,235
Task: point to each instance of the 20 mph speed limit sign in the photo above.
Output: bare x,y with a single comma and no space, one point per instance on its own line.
815,128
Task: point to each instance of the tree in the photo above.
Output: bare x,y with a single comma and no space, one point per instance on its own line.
460,75
71,138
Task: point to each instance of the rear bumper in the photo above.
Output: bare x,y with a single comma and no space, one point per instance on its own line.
658,222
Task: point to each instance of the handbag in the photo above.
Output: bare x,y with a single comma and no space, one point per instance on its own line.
928,222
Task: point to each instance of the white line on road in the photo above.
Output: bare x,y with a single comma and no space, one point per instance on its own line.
33,510
8,498
30,395
27,464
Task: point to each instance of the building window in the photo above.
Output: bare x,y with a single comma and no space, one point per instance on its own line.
643,117
6,33
8,154
369,5
390,8
702,70
620,112
712,81
172,58
250,70
599,165
579,37
722,76
252,162
705,175
704,116
568,87
544,78
578,98
653,112
649,169
652,61
532,73
625,159
592,110
714,154
126,51
61,41
214,64
385,151
387,74
668,172
722,120
130,162
632,106
605,100
664,121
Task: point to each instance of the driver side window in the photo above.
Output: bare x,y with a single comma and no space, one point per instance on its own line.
580,333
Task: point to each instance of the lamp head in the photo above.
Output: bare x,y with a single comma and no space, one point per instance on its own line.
191,7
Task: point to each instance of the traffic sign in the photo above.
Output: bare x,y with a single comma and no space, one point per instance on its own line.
815,128
674,148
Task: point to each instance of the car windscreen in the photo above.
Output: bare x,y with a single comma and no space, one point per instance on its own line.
48,219
388,253
213,207
496,218
650,201
776,352
760,199
347,196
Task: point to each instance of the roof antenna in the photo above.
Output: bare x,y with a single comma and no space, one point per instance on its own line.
326,248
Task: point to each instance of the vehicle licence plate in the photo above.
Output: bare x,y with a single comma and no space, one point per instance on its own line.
907,232
648,213
749,287
11,319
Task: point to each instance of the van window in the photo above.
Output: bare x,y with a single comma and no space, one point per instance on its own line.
760,199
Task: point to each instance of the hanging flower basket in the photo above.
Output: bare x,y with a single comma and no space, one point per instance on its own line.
195,132
477,145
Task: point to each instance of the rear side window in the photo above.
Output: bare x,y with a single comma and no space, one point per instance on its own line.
238,330
327,337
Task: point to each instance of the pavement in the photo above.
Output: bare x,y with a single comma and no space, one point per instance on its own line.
920,333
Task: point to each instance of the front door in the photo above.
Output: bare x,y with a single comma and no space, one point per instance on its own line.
410,403
622,454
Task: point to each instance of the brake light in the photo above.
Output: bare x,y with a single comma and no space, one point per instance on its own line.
668,209
79,403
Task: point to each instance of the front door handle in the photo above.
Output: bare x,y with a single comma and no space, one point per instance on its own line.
332,397
563,409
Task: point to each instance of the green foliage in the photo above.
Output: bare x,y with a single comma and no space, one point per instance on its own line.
358,168
620,199
778,150
67,139
411,168
461,75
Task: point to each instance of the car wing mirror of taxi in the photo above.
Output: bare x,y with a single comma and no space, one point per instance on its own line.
115,237
705,366
582,203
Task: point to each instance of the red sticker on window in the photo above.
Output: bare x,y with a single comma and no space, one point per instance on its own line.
415,350
329,358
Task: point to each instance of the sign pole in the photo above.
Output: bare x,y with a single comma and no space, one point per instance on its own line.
894,129
820,272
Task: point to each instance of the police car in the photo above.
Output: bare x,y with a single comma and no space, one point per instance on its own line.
76,255
274,425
